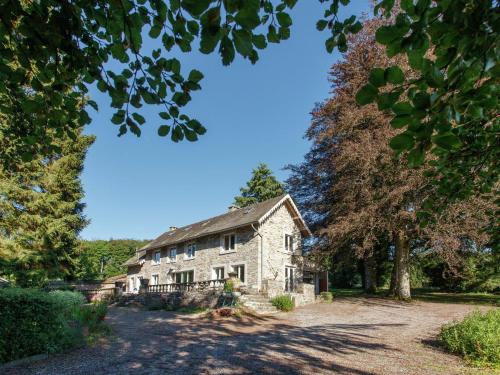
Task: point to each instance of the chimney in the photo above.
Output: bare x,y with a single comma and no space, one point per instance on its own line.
232,208
172,228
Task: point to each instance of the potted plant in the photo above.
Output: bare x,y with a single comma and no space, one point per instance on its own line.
228,288
235,283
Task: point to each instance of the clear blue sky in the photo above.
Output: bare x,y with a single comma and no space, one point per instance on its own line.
138,187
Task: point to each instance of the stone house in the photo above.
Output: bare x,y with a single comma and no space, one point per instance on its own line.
261,243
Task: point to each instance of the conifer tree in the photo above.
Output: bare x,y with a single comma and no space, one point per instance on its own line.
262,186
41,213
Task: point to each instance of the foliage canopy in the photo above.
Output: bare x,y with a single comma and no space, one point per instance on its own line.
51,51
262,186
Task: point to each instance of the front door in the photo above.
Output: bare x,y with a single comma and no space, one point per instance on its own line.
289,279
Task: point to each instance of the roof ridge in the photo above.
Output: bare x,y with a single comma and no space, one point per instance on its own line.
225,221
224,214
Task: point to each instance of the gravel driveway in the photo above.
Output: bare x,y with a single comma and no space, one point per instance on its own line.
350,336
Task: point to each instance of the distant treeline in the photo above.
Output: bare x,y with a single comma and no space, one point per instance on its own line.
100,259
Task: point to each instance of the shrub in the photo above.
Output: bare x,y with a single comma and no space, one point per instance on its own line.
34,322
69,302
476,338
326,297
283,303
93,314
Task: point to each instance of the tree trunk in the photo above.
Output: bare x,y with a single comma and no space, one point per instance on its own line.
370,272
402,266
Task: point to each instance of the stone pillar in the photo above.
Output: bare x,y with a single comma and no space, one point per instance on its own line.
144,286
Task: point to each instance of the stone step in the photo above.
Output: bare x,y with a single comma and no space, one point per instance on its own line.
254,298
259,303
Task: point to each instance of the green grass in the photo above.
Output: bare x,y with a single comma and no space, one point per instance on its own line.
476,338
473,298
431,295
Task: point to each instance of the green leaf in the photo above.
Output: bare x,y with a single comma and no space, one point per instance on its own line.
448,141
163,130
434,77
155,31
193,27
402,108
272,35
137,117
227,50
330,44
243,42
168,41
284,19
385,34
403,141
191,136
259,41
386,100
321,24
248,17
195,7
118,117
416,157
415,59
367,94
421,100
102,86
209,40
195,76
394,75
401,121
377,77
165,116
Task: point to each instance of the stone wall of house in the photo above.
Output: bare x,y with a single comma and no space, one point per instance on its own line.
275,257
305,295
209,254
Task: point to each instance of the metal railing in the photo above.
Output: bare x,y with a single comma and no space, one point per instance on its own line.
181,287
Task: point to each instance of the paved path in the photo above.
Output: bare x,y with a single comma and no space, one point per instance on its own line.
351,336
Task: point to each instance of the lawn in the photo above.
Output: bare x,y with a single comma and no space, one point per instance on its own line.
431,295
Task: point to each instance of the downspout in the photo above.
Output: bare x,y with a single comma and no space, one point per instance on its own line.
261,256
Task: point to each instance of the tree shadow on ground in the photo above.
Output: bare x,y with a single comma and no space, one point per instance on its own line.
262,345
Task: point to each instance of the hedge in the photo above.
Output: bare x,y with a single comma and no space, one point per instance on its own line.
35,322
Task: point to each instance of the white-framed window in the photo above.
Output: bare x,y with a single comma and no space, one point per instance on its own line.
157,257
190,251
172,254
184,277
228,242
155,279
289,243
218,273
240,271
